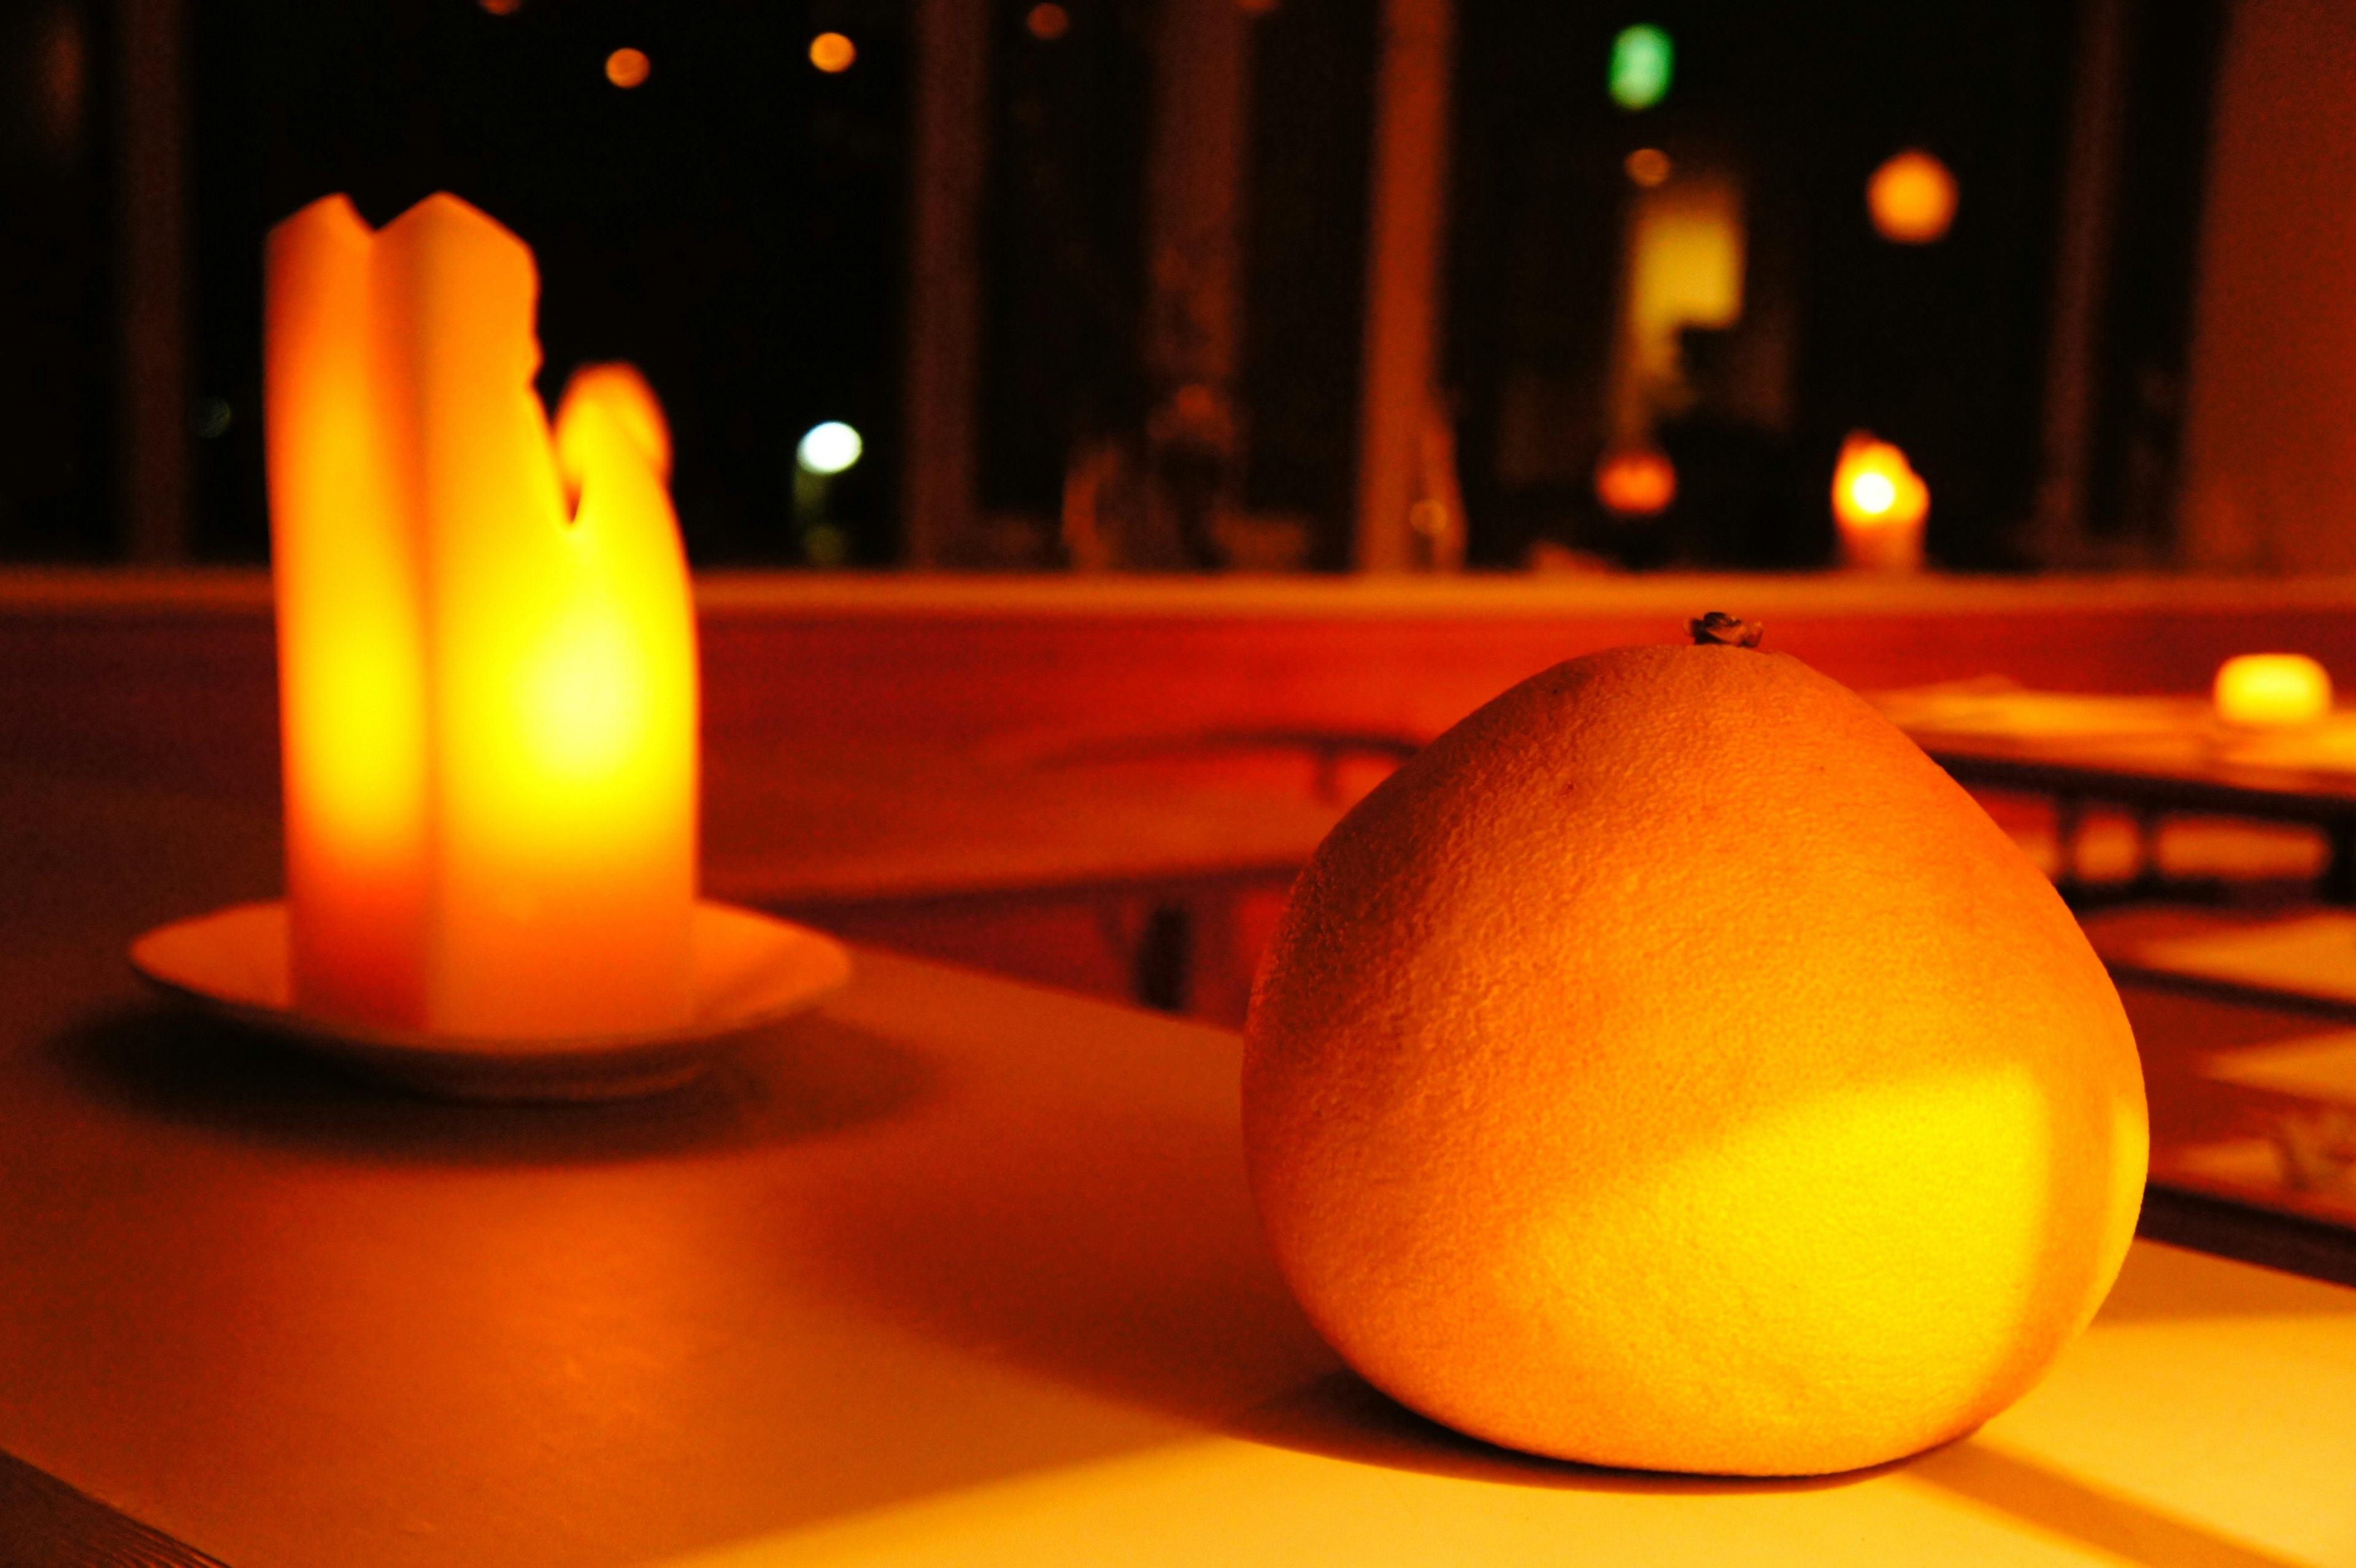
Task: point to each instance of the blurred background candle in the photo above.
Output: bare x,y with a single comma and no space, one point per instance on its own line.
2272,691
486,649
1879,505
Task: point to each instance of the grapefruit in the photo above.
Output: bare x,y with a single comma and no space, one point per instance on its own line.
1671,1067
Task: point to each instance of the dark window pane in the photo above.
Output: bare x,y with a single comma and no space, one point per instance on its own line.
731,225
57,340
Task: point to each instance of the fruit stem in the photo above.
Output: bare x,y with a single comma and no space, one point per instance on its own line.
1720,628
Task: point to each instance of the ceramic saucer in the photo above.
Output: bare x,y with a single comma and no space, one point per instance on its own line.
751,969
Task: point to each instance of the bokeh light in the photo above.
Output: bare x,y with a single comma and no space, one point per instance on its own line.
501,8
1912,198
1642,60
1048,22
1635,481
828,448
2268,689
1648,167
627,68
832,53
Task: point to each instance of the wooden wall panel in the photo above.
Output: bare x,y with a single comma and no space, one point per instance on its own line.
174,674
172,678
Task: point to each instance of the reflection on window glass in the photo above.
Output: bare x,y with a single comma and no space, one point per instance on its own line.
1832,217
703,203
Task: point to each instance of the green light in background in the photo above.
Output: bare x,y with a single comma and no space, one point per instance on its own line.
1642,60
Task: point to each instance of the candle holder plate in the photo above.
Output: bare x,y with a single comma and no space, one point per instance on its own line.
751,969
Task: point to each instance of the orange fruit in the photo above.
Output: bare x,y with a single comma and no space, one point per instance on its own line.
1671,1067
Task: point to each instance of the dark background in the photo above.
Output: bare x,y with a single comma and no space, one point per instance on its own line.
737,227
1064,281
732,226
1941,348
57,284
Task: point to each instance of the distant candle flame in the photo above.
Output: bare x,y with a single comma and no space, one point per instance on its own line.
2271,690
1879,504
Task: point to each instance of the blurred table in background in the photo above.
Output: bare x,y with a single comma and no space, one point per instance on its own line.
2247,1016
2154,758
2247,1022
810,679
172,673
1150,867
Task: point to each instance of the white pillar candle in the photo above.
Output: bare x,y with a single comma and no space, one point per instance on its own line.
486,646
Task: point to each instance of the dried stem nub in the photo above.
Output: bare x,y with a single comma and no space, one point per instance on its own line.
1720,628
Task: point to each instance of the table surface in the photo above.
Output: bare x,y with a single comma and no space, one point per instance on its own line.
2137,747
952,1271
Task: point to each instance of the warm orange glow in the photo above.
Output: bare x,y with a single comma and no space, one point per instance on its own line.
1879,504
1648,167
2272,691
501,8
1635,481
1682,264
627,68
832,53
1048,22
1912,198
485,646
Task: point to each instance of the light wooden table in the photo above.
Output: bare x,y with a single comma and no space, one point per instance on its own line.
956,1270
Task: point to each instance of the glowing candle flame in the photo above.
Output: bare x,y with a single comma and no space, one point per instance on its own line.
2272,691
1879,504
1873,494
